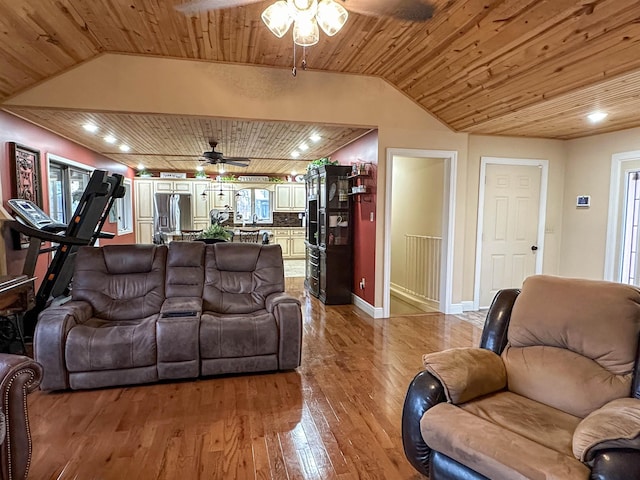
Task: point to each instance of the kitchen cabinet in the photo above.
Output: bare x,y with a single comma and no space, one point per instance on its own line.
329,235
173,186
143,200
144,231
291,240
290,197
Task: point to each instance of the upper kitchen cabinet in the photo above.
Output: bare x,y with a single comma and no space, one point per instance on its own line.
290,197
173,186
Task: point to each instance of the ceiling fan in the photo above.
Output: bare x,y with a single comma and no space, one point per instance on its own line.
213,157
411,10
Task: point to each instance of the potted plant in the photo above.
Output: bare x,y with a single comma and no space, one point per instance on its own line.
315,164
215,233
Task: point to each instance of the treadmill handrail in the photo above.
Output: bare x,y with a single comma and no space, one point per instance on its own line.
45,236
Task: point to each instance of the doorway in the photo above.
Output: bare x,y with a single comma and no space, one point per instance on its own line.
419,206
511,219
622,261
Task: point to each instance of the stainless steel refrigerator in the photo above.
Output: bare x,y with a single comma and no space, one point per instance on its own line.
172,212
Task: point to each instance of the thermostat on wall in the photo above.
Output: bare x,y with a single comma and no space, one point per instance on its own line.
583,201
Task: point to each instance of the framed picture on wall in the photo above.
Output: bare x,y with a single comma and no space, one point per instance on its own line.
25,163
26,181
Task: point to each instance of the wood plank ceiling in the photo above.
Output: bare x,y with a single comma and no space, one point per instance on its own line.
509,67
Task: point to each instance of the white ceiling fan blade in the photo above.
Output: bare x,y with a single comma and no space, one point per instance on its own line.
205,5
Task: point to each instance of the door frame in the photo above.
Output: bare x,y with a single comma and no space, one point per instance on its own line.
542,212
450,158
613,225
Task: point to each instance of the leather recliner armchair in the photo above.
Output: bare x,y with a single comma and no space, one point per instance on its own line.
552,392
19,375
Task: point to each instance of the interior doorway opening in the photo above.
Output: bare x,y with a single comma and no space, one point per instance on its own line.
419,206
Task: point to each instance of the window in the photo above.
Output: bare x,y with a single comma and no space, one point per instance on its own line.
124,210
253,205
629,271
66,186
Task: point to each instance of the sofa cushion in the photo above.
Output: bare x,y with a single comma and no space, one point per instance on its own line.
108,344
502,453
239,277
576,349
121,282
230,336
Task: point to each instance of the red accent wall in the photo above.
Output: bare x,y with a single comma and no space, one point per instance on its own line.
365,149
14,129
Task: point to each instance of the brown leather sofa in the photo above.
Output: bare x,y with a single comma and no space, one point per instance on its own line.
143,313
19,376
553,392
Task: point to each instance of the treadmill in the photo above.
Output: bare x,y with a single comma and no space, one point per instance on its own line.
83,229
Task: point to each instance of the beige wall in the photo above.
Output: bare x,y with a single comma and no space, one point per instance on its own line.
574,240
588,172
158,85
416,206
509,147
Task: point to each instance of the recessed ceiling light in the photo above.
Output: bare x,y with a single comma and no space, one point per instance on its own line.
199,168
304,147
293,173
597,116
295,154
315,137
90,127
140,166
110,139
124,148
221,169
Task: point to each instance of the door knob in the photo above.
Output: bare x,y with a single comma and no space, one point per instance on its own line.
534,248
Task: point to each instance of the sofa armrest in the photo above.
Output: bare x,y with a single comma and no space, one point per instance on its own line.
19,376
616,425
286,311
50,337
424,392
467,373
273,300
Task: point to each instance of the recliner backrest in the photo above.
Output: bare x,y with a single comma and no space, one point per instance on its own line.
572,343
121,282
239,277
185,269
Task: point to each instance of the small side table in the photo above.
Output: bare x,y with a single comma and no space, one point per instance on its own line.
16,297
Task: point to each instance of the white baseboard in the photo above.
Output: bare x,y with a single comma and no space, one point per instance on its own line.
375,312
455,309
468,306
422,304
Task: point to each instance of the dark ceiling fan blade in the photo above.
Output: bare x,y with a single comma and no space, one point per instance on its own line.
235,162
408,10
236,159
206,5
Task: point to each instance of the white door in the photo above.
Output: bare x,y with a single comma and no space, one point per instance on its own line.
509,228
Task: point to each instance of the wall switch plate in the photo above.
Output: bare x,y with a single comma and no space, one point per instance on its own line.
371,216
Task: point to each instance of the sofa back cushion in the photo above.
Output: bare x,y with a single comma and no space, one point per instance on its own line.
572,343
121,282
239,276
185,269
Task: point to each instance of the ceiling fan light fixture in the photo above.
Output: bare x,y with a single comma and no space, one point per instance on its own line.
306,32
303,8
331,16
277,18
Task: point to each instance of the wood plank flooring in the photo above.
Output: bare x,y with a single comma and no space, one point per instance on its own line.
335,417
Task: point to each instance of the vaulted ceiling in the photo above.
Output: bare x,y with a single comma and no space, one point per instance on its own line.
507,67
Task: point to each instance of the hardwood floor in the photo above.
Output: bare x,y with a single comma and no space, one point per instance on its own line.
335,417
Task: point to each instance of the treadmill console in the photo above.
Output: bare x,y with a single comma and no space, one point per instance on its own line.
32,215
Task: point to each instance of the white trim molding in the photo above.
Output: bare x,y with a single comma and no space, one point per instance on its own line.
542,213
375,312
613,227
450,158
